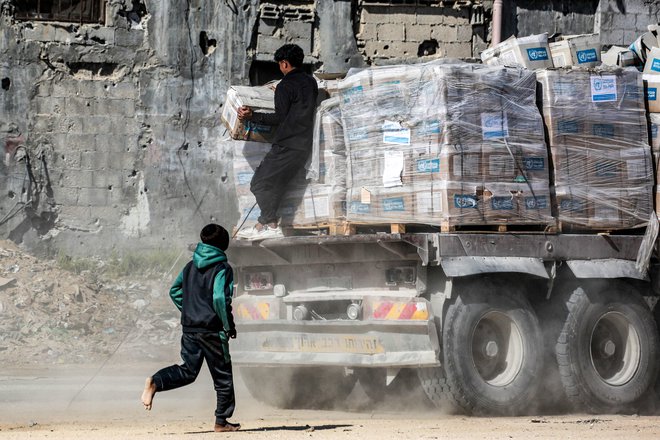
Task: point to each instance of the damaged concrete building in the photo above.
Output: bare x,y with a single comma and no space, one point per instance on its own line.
110,108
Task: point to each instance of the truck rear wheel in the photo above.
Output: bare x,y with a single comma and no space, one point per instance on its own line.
298,387
492,350
607,351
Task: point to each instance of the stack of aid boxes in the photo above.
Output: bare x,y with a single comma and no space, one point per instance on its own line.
652,89
598,138
445,144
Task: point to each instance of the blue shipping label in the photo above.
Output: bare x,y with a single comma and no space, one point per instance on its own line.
394,204
603,88
654,131
465,201
259,128
428,165
571,205
538,202
427,128
652,94
537,54
603,130
358,134
494,125
352,93
655,65
568,127
587,56
501,203
360,208
534,163
245,177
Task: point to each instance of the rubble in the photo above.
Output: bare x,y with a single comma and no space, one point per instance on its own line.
52,316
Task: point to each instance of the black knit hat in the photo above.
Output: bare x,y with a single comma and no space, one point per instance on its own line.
215,235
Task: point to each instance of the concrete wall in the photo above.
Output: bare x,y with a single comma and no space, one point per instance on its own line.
110,133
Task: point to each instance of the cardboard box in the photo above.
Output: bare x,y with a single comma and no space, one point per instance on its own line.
643,45
569,166
619,56
261,99
462,203
651,88
655,132
532,52
315,205
461,163
576,50
652,65
572,204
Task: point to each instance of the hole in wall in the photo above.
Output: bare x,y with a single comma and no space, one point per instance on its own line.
427,47
6,83
207,44
11,194
386,47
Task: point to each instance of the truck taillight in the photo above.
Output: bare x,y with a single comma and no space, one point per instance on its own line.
396,309
257,310
257,281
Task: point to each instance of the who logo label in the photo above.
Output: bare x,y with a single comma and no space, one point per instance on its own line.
587,56
537,54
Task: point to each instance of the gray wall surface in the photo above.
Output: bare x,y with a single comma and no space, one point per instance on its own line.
111,133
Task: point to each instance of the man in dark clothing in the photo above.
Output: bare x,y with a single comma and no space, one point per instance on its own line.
202,292
295,106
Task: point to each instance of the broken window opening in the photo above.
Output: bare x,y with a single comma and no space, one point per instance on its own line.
73,11
6,82
263,72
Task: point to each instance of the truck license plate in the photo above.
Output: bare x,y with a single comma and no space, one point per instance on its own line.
323,344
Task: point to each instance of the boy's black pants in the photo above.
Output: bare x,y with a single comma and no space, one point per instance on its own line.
195,347
279,166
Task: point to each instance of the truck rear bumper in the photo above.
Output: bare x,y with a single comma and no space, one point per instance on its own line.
338,343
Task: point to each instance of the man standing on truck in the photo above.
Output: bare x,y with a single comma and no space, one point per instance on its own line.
295,105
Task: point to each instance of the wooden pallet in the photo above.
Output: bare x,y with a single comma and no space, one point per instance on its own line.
448,227
345,228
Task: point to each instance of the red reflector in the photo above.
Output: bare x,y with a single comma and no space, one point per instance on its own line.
382,310
408,311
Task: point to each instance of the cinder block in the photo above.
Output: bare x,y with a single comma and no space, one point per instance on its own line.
456,17
108,180
129,38
48,106
268,44
103,34
464,33
65,196
267,27
77,178
97,125
43,124
114,143
391,32
418,32
368,31
93,197
445,34
64,89
297,29
74,106
79,142
457,50
430,16
122,90
39,32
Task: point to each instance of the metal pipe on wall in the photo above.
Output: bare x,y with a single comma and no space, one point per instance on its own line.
498,6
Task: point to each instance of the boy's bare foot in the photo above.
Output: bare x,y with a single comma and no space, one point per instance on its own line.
148,393
227,427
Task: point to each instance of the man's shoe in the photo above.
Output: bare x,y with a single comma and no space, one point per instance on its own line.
267,232
227,427
247,233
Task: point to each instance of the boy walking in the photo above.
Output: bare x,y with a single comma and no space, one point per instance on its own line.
202,292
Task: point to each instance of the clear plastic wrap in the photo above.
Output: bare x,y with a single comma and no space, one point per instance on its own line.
456,144
598,138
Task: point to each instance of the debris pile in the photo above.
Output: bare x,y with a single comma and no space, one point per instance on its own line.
49,315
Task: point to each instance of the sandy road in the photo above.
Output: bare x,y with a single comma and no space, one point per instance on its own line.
49,404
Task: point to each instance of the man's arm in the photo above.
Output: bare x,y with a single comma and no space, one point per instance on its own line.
283,99
223,288
176,291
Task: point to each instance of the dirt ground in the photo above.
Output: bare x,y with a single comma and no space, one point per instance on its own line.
75,350
76,402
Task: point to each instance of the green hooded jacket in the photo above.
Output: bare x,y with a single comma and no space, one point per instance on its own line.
223,286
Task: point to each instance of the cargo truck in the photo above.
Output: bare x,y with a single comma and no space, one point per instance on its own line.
492,323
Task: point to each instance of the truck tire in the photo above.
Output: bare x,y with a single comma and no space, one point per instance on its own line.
607,351
492,350
298,387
